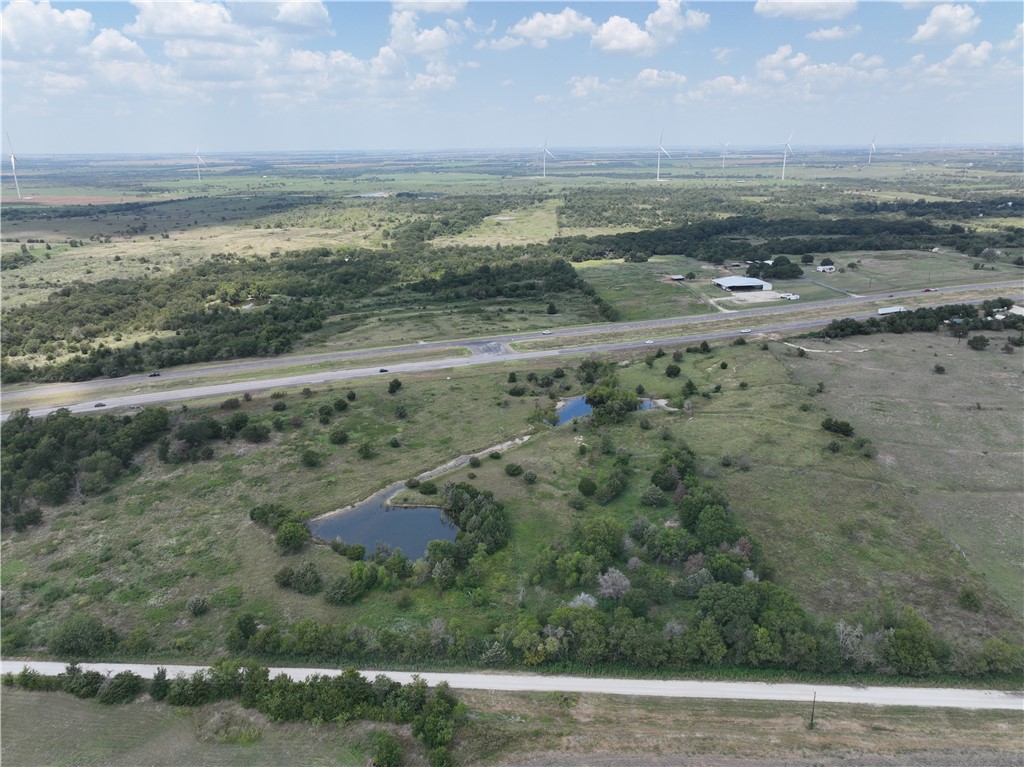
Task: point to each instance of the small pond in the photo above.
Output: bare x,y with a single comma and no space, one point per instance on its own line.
577,407
407,528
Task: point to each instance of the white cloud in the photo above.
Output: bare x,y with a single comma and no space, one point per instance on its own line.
111,44
809,10
55,82
947,22
302,14
407,38
967,55
663,78
1015,41
722,55
722,86
185,18
585,87
36,28
774,66
506,43
541,27
621,35
834,33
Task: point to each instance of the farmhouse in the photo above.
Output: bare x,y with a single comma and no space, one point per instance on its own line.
827,269
741,283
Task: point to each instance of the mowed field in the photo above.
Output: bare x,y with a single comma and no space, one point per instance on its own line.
546,730
954,439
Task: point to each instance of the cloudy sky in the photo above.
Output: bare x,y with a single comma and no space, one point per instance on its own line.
168,75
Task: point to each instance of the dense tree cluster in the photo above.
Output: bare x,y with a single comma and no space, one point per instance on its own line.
960,317
45,459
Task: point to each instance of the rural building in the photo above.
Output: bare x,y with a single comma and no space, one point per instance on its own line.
741,283
828,269
677,277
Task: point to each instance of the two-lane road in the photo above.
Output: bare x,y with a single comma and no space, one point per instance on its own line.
926,697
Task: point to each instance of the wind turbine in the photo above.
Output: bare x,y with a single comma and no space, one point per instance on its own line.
200,161
544,155
14,160
871,152
786,151
660,150
725,148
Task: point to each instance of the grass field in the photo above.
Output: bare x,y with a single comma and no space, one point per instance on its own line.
644,292
515,729
954,440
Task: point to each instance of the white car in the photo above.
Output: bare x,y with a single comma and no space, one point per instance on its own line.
745,330
648,341
545,332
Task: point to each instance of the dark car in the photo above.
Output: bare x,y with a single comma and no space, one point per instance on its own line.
154,374
383,370
100,404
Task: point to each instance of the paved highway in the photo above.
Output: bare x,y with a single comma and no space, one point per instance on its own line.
85,396
928,697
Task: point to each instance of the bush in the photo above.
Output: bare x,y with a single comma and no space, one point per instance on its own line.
513,469
386,750
978,343
123,688
724,365
292,536
842,428
279,406
428,488
394,385
474,461
338,436
494,455
82,636
232,403
673,371
587,487
529,478
311,459
350,396
968,599
197,605
256,432
366,451
341,405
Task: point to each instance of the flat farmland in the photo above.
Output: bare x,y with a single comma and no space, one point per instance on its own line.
642,291
954,440
878,272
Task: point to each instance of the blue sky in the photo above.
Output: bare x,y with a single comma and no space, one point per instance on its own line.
166,76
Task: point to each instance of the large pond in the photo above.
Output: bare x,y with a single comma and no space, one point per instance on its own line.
577,407
372,521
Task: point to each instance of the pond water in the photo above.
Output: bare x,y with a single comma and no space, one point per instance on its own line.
407,528
577,407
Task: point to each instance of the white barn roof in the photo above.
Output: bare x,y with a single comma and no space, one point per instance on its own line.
728,283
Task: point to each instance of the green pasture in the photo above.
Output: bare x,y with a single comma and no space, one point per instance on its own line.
642,291
953,440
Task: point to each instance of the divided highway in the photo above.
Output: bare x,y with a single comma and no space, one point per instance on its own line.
86,396
929,697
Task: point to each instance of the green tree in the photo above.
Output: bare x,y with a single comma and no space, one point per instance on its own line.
978,343
292,536
82,636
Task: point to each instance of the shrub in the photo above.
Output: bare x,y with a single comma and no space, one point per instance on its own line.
412,483
939,369
81,636
341,405
279,406
197,605
587,486
394,385
513,469
428,488
724,365
529,478
978,343
292,536
474,461
386,750
653,496
517,391
673,371
311,459
233,403
122,688
512,377
366,451
494,455
338,436
255,432
350,396
968,599
842,428
395,442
